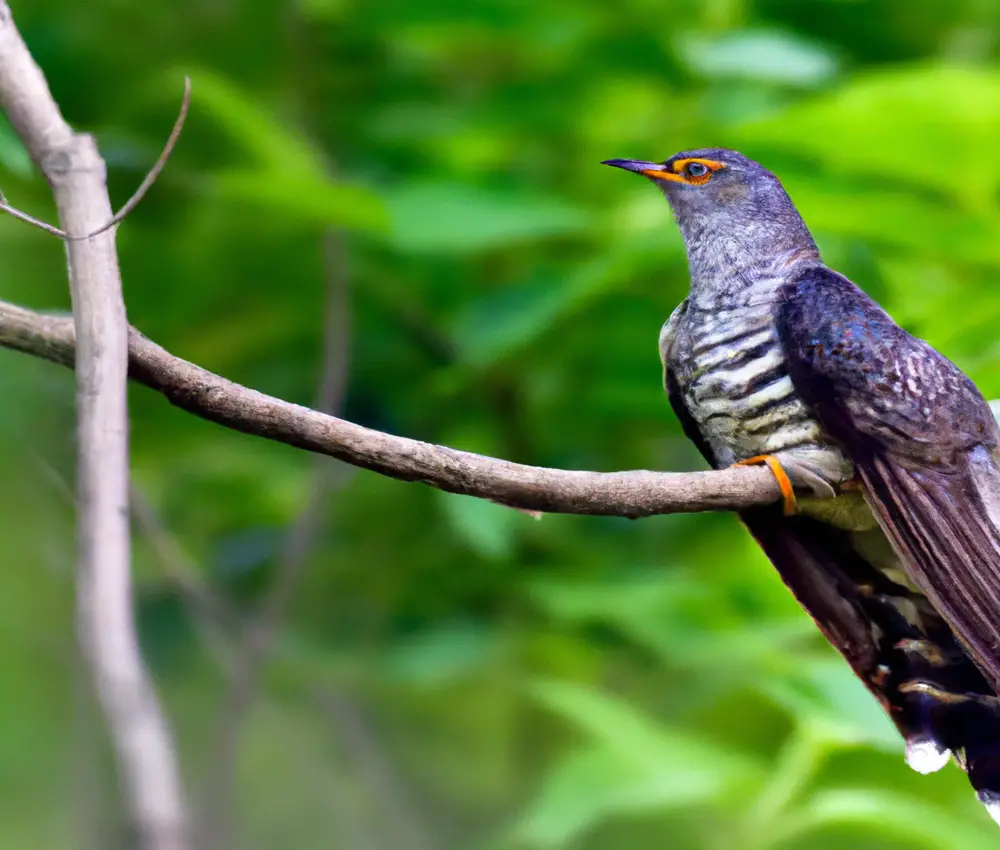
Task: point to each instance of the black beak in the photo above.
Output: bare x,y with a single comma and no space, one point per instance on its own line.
637,165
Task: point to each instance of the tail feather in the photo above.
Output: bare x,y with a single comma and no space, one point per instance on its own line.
939,524
943,523
971,723
897,644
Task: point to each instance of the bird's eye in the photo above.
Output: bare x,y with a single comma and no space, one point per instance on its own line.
696,169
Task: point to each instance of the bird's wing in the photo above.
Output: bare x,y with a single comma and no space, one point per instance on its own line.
889,633
922,439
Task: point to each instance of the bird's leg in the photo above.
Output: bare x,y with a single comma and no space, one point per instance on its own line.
784,482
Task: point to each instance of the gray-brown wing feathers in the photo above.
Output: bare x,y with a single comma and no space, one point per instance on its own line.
940,526
922,439
895,642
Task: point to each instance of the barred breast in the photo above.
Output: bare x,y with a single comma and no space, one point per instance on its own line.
736,385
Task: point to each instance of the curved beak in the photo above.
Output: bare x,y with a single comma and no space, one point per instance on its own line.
656,170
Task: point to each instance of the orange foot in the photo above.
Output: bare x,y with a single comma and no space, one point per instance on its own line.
784,482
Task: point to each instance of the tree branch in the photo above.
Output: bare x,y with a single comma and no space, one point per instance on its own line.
105,625
629,494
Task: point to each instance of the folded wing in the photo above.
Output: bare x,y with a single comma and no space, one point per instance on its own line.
923,441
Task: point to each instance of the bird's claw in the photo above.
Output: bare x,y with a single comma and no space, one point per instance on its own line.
790,505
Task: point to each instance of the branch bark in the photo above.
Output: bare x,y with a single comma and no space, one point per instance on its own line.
196,390
105,626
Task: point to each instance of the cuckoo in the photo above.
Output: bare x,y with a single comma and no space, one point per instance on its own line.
885,452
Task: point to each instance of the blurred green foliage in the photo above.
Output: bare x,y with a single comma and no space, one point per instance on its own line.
452,674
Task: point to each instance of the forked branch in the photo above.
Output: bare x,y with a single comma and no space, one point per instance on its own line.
105,624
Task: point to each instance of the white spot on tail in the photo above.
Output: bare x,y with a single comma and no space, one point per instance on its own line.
991,799
928,756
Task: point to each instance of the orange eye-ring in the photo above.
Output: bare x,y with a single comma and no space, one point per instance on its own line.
696,172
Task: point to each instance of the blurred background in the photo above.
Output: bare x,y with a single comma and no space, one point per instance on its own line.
395,211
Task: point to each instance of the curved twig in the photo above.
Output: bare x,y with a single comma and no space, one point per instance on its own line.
154,172
137,196
14,212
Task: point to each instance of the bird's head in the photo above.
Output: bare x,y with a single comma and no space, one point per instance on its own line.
719,195
713,182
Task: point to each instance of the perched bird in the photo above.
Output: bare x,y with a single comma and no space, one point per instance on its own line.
886,454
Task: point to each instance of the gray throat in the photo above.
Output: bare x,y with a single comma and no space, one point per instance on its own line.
727,259
725,352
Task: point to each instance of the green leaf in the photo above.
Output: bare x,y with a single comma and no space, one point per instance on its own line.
679,618
443,654
902,221
488,528
827,695
649,746
908,821
762,55
274,143
459,219
908,125
324,11
313,200
507,321
797,764
290,178
13,156
620,600
504,321
633,765
586,787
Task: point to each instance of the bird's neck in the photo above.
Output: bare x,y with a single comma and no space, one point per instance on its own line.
728,265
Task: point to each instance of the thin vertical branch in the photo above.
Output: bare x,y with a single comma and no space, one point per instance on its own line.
215,829
105,620
398,816
215,620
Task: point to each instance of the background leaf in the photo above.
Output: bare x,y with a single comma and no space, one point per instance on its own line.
764,55
454,218
894,816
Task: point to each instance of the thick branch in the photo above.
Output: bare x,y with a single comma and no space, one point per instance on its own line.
105,623
631,494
